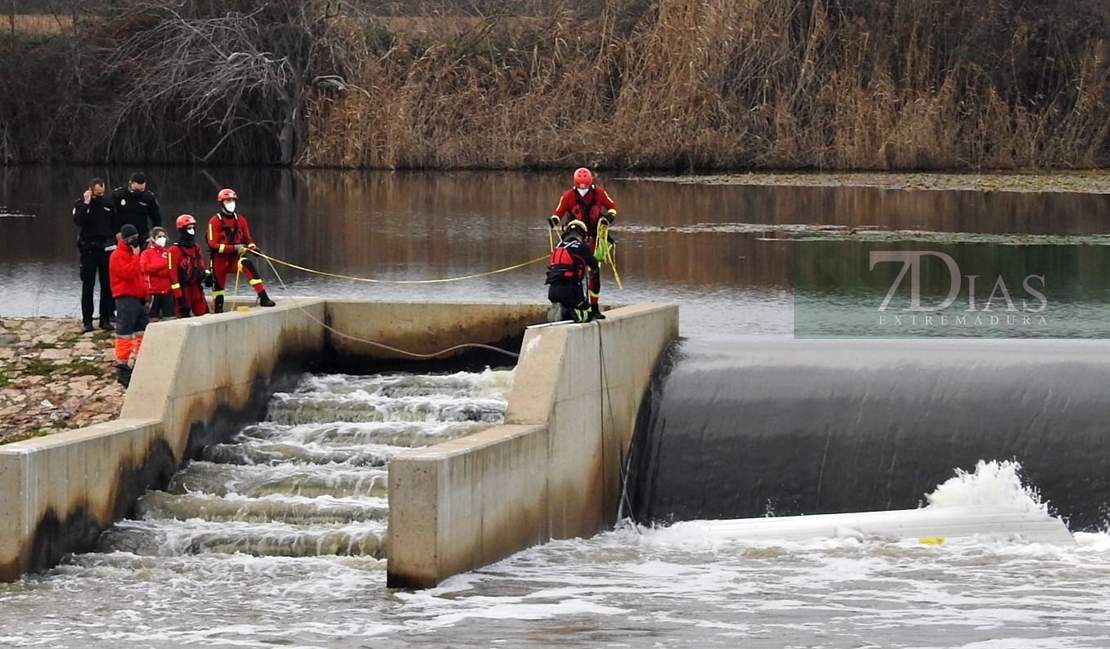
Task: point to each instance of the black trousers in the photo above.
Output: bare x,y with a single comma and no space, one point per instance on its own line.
94,265
570,297
162,307
131,317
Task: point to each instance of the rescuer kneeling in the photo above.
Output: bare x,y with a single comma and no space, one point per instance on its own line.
568,266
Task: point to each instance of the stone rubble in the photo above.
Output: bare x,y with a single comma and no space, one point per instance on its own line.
54,378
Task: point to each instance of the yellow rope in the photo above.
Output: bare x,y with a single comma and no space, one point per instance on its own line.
238,269
603,238
332,329
607,254
611,257
396,281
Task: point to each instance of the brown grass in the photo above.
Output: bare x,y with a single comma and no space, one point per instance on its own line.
706,84
642,84
38,24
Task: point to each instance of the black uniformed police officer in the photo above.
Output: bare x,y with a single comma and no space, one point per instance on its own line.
135,204
94,214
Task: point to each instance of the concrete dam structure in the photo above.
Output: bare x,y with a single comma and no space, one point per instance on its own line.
552,471
707,431
790,427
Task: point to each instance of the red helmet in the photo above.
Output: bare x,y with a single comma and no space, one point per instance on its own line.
185,220
226,195
582,176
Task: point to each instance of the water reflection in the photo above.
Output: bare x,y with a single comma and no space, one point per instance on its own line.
416,225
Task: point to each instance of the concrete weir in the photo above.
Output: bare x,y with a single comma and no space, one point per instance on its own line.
551,471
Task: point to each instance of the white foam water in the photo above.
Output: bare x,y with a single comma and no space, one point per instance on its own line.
991,484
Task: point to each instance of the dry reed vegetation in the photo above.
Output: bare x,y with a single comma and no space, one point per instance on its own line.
37,23
702,84
670,84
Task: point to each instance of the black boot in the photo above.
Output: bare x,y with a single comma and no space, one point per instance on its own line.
106,325
123,374
86,326
264,300
218,304
596,314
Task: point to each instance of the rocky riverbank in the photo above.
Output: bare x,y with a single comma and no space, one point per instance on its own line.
54,378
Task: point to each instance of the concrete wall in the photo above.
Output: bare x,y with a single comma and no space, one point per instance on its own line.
552,471
196,381
424,327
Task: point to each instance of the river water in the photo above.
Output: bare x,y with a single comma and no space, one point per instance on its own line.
275,538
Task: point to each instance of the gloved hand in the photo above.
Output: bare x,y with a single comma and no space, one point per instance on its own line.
604,220
208,279
553,221
182,308
240,248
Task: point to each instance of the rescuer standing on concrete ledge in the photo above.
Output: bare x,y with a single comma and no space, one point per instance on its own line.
187,272
229,240
592,206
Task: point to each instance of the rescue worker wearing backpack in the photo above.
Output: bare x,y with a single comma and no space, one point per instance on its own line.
569,264
591,205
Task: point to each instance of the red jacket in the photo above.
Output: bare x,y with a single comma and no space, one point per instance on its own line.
186,266
125,273
156,269
587,209
224,232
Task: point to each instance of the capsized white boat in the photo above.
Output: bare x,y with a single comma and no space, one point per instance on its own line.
929,525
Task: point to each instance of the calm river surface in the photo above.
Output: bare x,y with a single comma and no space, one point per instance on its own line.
726,254
214,563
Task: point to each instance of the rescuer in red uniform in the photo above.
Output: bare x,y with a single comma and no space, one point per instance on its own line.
155,264
592,206
129,291
229,240
567,267
187,272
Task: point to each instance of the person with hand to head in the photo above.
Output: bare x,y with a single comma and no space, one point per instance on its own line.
155,264
137,206
570,262
129,291
591,205
95,217
229,241
187,272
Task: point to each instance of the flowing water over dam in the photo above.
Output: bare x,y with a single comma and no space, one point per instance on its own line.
311,480
778,427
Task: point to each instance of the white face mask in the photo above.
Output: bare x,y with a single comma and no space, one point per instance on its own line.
229,206
160,242
191,230
582,192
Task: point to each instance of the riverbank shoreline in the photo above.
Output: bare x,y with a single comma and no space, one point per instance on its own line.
1092,181
54,378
